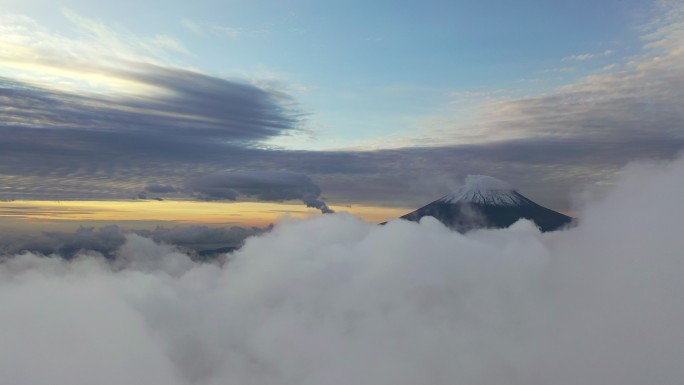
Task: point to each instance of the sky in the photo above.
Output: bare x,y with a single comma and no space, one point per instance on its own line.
169,172
151,111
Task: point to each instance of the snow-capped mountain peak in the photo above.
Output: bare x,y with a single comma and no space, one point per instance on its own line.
485,190
486,202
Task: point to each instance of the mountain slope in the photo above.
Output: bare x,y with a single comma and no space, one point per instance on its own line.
485,202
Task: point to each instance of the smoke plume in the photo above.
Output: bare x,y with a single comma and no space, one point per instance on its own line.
263,185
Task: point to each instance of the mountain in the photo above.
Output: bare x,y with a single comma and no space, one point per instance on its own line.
485,202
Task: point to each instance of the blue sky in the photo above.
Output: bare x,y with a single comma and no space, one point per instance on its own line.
384,103
363,70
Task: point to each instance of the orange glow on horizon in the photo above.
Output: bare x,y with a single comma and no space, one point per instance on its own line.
175,212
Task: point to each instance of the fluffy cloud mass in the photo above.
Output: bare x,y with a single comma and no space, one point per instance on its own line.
262,185
335,300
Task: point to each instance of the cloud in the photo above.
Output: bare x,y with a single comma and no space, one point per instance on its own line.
120,109
160,188
233,33
153,122
109,82
192,27
120,40
587,56
335,300
142,195
263,185
104,240
201,238
642,100
107,240
192,104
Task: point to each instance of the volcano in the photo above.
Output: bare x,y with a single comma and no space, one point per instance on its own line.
487,202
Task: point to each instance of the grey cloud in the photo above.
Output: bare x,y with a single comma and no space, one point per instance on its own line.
45,131
546,169
155,99
262,185
142,195
548,145
191,104
107,240
160,188
48,133
104,240
201,238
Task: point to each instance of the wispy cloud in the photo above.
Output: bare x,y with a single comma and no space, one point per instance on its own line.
107,37
90,62
231,32
192,26
643,100
237,33
560,70
587,56
611,67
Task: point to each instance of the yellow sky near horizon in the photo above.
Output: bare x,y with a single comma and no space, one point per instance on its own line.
23,216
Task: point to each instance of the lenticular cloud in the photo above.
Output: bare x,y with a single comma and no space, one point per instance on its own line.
334,300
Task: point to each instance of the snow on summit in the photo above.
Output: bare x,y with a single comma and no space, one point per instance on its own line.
483,189
486,202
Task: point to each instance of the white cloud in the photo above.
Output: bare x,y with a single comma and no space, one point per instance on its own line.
579,57
237,33
166,42
92,61
611,67
231,32
644,99
120,40
192,27
587,56
335,300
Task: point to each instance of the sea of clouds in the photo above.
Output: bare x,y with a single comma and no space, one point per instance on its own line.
334,300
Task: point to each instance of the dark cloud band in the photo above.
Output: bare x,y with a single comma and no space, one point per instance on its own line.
263,185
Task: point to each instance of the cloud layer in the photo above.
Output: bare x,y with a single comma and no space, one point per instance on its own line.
335,300
105,116
107,240
263,185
